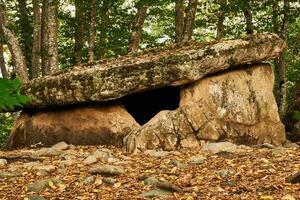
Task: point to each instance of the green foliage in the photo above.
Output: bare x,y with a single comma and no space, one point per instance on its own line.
296,115
6,122
10,96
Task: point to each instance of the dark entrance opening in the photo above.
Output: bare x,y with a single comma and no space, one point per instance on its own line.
145,105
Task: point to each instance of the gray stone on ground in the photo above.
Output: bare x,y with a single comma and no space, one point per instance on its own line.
47,168
150,180
158,193
197,160
103,154
48,152
34,197
9,174
31,165
177,163
219,147
88,180
90,160
157,153
224,173
41,185
61,146
108,170
3,162
108,180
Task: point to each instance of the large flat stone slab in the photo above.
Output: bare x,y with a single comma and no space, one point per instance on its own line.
112,79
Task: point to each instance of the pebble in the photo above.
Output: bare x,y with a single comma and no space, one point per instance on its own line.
108,170
48,152
41,185
88,180
197,160
60,146
3,162
109,181
158,193
34,197
220,146
156,153
90,160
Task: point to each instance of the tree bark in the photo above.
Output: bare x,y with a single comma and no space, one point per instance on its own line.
92,39
2,61
79,29
13,45
137,28
104,19
179,20
281,61
25,26
249,21
221,18
36,50
115,78
45,38
53,46
189,20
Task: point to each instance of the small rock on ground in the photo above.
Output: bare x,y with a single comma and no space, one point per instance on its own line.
34,197
108,170
3,162
90,160
156,153
109,181
60,146
41,185
220,146
197,160
88,180
158,193
48,152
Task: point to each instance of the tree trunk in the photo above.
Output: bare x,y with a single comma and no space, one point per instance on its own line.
281,62
13,45
36,50
137,28
249,21
104,18
179,20
25,26
52,28
189,20
2,61
92,39
221,18
45,38
79,29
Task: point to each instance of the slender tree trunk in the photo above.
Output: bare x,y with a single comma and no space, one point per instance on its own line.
2,61
221,18
281,61
249,21
13,45
92,39
104,23
79,29
53,46
189,20
25,26
45,38
36,50
179,20
137,28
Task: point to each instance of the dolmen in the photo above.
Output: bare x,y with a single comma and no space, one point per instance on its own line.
179,96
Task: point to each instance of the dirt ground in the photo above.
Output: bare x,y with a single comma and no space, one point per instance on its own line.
247,173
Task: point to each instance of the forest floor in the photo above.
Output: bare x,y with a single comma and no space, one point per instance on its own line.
98,172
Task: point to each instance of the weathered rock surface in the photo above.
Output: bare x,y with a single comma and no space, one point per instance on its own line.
94,124
112,79
238,106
